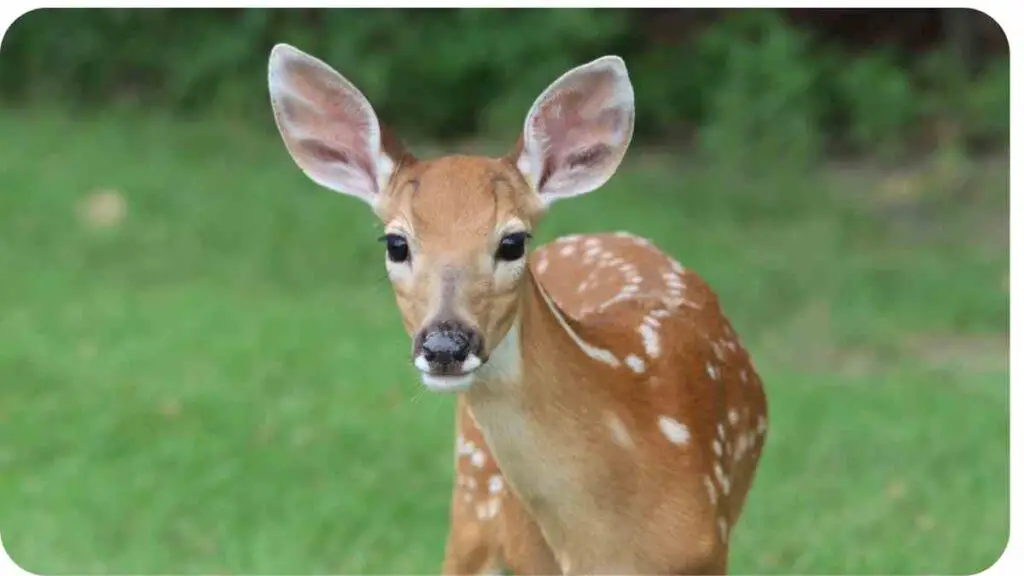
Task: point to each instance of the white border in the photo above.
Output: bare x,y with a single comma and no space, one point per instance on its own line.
1001,12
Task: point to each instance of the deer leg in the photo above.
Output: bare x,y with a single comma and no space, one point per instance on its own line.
468,550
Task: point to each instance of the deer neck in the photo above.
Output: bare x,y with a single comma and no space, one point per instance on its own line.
532,404
541,360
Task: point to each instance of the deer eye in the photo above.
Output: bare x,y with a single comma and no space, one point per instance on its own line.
513,246
397,248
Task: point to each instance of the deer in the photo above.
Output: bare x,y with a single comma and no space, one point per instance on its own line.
608,418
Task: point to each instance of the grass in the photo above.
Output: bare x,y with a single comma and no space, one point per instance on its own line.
211,377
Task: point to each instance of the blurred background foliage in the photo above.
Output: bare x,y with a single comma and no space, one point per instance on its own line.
790,82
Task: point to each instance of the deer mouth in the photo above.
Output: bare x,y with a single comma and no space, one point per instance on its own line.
447,384
448,377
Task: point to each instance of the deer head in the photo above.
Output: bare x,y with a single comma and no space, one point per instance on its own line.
457,228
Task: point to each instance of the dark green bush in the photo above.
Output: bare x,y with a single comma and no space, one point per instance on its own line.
879,101
753,87
761,108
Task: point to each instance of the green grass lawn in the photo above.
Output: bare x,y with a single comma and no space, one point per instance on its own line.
214,379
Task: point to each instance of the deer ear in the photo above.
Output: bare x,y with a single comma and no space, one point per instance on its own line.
578,130
328,126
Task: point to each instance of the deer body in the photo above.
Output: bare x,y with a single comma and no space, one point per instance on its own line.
678,417
609,420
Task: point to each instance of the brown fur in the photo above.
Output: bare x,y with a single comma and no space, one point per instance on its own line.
661,519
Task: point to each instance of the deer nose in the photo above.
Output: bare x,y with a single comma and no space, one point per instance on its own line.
446,347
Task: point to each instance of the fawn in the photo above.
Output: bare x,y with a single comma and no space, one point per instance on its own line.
609,421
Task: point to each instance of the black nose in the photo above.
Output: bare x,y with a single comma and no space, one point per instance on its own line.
446,346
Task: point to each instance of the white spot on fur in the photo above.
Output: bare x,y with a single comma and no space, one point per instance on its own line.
464,447
718,351
488,509
567,250
722,480
635,363
741,447
495,484
619,433
717,447
734,417
762,425
479,459
493,506
712,491
542,265
723,528
712,371
677,302
675,431
652,343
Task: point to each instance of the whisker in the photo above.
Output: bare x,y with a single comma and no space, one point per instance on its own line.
418,395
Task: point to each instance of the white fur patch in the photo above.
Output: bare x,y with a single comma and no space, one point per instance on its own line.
652,343
712,491
447,384
635,363
674,430
496,484
619,433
